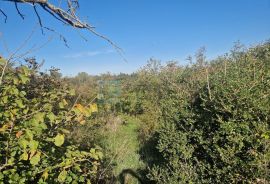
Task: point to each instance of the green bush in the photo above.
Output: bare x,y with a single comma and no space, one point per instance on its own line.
36,113
222,134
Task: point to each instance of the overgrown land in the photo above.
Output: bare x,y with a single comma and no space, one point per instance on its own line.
205,122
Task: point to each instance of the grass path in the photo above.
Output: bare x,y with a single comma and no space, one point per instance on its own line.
122,141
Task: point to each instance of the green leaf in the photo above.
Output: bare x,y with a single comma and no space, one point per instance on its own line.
25,110
19,103
43,126
11,161
24,78
5,99
29,134
72,92
39,117
23,143
59,140
62,104
62,176
266,135
33,145
94,154
51,116
24,156
35,159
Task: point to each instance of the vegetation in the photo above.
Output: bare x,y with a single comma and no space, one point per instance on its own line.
36,115
210,120
207,122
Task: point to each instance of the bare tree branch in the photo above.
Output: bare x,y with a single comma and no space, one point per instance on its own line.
60,36
3,13
67,17
18,11
39,19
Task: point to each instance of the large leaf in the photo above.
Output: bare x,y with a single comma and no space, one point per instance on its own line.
19,103
39,117
59,140
62,176
33,145
35,159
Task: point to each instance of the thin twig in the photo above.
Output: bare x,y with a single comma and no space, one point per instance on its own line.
3,13
69,18
39,19
33,49
18,11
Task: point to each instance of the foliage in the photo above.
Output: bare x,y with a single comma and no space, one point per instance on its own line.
207,122
36,113
221,135
210,120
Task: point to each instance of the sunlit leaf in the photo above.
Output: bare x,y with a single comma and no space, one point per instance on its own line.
33,145
39,117
35,159
51,116
23,78
62,176
59,140
24,156
19,103
94,107
45,175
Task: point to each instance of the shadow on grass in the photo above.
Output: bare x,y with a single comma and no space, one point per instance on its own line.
123,176
139,175
150,155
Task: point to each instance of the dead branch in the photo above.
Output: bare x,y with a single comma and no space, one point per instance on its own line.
39,19
67,17
3,13
18,11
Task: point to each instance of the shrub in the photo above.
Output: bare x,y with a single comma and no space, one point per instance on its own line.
36,113
220,132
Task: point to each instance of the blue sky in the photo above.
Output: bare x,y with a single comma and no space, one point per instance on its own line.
160,29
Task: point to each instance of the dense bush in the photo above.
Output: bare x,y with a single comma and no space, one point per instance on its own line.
222,135
211,118
36,113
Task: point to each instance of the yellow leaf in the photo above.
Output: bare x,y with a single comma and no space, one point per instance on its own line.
94,107
82,122
4,127
64,102
32,153
45,175
79,107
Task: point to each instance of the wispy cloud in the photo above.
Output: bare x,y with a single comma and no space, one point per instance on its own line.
88,54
